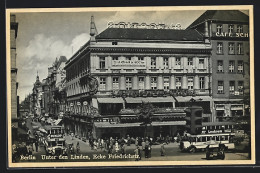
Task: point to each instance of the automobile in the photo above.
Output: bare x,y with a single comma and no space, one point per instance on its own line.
215,151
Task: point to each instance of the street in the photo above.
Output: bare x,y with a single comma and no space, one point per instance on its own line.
172,153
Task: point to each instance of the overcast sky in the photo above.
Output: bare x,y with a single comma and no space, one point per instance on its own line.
44,36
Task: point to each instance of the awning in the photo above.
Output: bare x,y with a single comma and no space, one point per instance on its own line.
236,107
220,107
108,125
158,99
224,100
57,121
217,123
196,98
169,123
110,100
124,125
133,100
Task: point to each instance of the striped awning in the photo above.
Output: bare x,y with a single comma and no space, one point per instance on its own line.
110,100
149,99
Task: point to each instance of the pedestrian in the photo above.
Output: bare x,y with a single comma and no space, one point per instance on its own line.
102,144
78,147
116,147
136,141
123,148
95,145
36,145
162,149
137,152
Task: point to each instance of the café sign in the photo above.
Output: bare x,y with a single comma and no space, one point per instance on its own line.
129,63
143,25
238,35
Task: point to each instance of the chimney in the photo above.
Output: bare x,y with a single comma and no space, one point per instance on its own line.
92,29
206,32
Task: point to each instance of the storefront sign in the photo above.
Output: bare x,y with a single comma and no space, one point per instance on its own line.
78,103
236,107
85,103
56,136
226,34
128,63
144,25
71,104
220,107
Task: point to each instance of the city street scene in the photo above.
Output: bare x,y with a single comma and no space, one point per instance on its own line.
135,85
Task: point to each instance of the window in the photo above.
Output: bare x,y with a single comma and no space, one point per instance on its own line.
201,63
165,63
220,87
128,58
232,87
115,83
219,48
178,82
140,58
166,83
219,28
240,66
231,48
153,63
153,83
115,58
190,61
141,83
220,66
102,62
230,28
231,67
240,87
114,43
240,28
190,83
202,82
178,62
128,83
102,84
240,49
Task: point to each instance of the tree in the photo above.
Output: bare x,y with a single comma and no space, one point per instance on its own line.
146,111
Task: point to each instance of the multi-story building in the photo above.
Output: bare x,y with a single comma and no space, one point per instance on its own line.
37,104
228,32
14,83
122,67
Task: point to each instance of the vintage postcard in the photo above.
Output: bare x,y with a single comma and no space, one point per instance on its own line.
133,86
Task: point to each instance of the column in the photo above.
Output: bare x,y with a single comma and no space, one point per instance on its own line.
122,83
148,62
196,82
109,62
160,62
160,82
184,81
170,62
147,82
173,62
172,82
206,82
135,82
185,62
109,83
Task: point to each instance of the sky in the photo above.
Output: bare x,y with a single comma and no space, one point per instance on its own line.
44,36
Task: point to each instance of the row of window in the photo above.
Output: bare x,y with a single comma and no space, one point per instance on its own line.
240,87
231,66
153,83
178,62
231,48
239,28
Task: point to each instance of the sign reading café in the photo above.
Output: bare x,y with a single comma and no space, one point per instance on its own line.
226,34
129,63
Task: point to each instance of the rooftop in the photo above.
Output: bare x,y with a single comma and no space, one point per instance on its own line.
221,15
149,34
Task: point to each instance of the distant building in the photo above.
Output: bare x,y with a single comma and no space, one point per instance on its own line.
14,83
228,32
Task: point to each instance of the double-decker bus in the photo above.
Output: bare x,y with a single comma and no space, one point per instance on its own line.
55,141
201,141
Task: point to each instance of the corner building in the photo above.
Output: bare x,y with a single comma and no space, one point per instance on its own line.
228,32
165,67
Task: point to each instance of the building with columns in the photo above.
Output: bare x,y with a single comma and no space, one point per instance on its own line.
122,67
228,32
